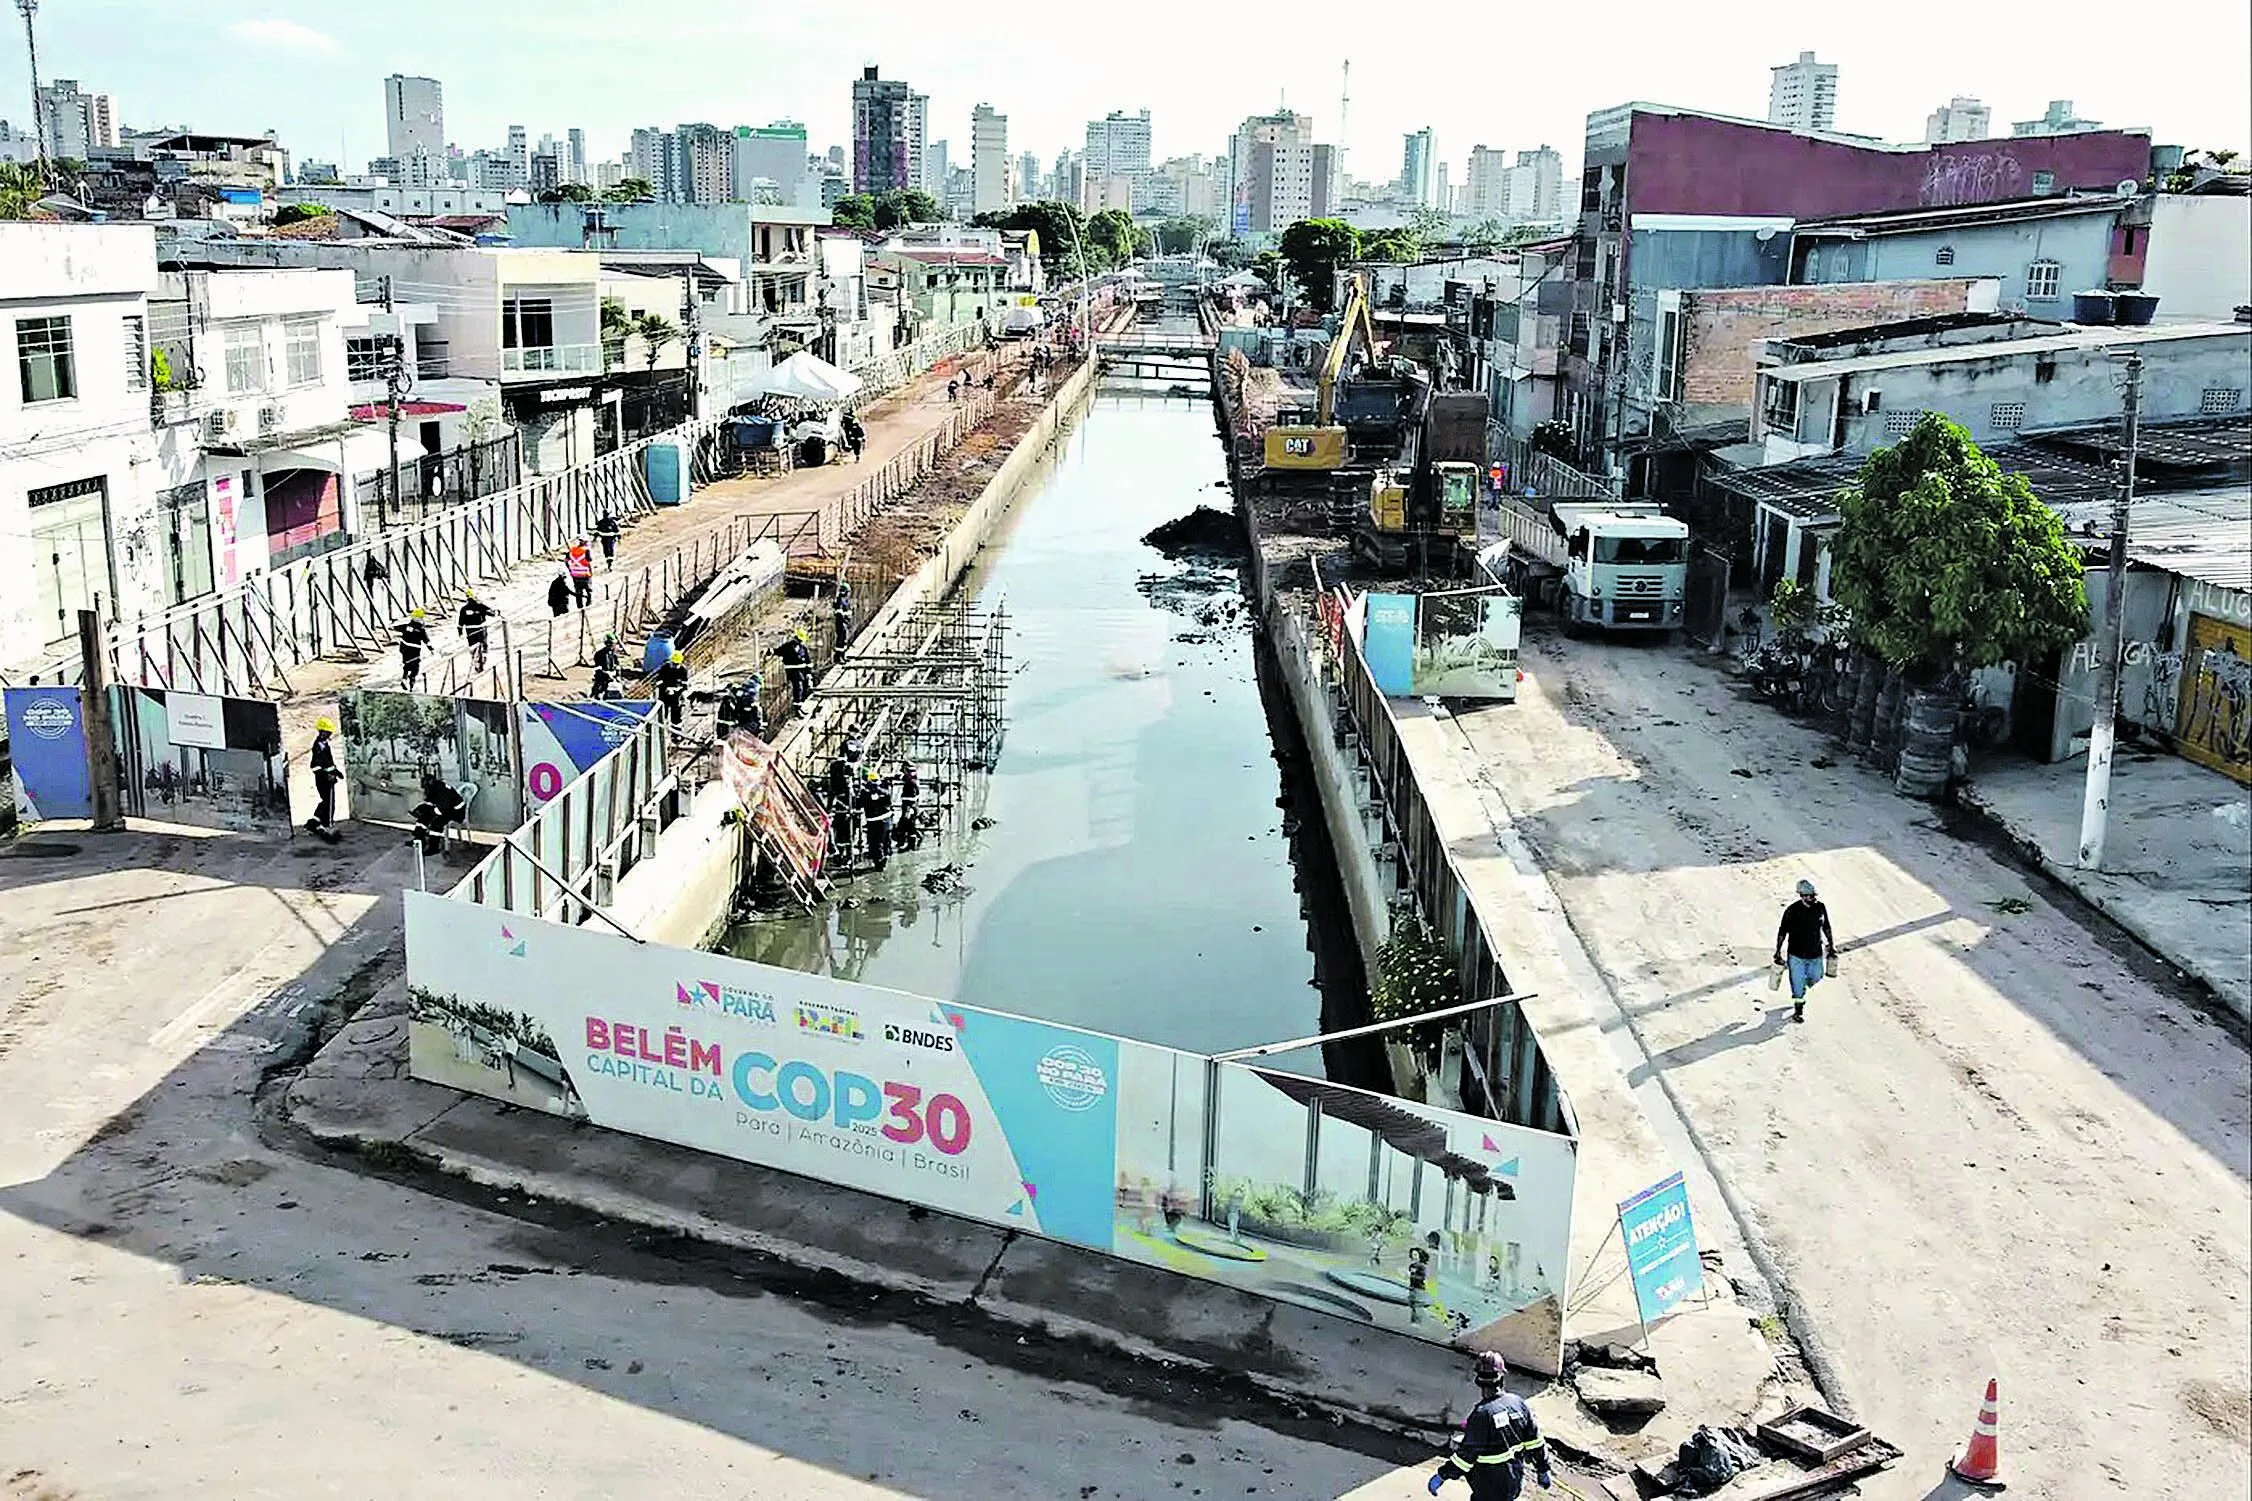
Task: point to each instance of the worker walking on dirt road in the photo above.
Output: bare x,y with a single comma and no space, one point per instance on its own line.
1804,936
1497,1441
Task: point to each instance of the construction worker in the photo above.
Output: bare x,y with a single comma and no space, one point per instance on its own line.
840,616
606,655
472,621
326,774
743,707
843,773
578,562
797,665
876,815
606,531
441,805
1805,933
1496,1440
910,831
559,593
672,687
414,640
855,436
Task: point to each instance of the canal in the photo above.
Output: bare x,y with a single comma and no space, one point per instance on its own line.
1134,863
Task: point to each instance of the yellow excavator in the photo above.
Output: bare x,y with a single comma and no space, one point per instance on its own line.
1295,446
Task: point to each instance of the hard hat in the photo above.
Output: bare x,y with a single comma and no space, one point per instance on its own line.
608,637
801,634
675,657
1490,1369
325,723
415,614
870,773
468,593
1806,888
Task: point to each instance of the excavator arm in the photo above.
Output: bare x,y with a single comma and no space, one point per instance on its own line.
1356,322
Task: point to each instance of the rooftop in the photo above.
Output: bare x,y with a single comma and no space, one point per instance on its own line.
949,255
2070,337
2006,211
2200,534
1905,328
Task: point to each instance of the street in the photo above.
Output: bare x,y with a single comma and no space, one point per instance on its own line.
196,1307
2002,1143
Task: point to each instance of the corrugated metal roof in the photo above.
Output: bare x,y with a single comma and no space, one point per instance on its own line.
2074,337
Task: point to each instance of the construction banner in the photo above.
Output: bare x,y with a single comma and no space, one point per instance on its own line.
777,805
562,742
47,744
189,758
393,740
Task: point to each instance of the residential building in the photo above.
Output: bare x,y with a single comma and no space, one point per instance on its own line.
1416,168
1270,171
938,170
1960,119
574,159
887,134
1533,192
1517,330
76,123
1029,187
705,169
528,319
1443,190
1324,191
941,286
414,120
774,155
649,157
1715,185
17,145
1118,145
520,151
2040,250
990,166
547,173
1068,180
1194,186
1803,95
2059,120
399,202
2199,264
75,439
1852,391
1485,187
607,175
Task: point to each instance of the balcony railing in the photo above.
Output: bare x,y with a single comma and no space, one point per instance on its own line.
553,359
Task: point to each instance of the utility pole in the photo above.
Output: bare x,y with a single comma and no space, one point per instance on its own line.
2095,807
30,8
395,386
101,743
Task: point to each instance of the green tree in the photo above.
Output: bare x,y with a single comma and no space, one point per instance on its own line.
656,331
1413,976
1392,245
630,190
854,211
298,213
1112,232
617,326
904,206
1057,226
569,192
21,188
1313,249
1944,563
1486,234
1231,253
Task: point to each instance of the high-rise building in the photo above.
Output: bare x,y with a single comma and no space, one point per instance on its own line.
774,154
520,151
1117,146
1442,189
887,134
1028,178
646,154
705,157
918,134
1416,164
990,167
938,167
547,172
1069,179
1960,119
1804,94
75,122
2059,121
574,155
1485,188
1254,190
608,175
1533,190
1324,193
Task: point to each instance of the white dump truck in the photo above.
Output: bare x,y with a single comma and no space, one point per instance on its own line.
1608,564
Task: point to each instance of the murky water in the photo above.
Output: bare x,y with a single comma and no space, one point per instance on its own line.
1137,875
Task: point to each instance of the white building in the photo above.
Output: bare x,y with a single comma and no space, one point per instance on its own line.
574,160
990,167
2058,121
414,120
1804,94
1533,191
1485,188
1117,146
75,122
1270,171
1961,118
2199,265
1418,176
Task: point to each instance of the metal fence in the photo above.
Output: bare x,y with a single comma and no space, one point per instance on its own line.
428,482
886,372
1548,476
565,860
1502,1052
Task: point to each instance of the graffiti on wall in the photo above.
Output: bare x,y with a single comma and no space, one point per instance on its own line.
1977,177
2214,726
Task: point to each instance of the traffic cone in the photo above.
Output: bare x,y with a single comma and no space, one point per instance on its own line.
1981,1460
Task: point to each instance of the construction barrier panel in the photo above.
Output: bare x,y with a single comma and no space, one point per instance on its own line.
213,762
392,740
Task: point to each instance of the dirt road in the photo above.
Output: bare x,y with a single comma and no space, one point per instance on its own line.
2001,1142
196,1308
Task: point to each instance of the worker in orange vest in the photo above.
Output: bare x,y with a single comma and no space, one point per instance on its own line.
579,563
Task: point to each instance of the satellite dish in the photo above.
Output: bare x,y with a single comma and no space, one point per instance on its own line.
2128,187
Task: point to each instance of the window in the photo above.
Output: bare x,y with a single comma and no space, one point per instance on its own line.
1668,374
527,323
1781,406
2044,182
363,360
246,358
2219,401
302,350
43,359
1944,256
136,353
2006,416
1900,424
2041,280
1641,550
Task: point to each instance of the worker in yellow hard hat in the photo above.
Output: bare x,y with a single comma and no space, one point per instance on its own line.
414,639
672,687
796,653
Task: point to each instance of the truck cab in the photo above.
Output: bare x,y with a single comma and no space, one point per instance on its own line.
1626,568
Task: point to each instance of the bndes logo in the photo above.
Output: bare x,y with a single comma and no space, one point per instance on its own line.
937,1042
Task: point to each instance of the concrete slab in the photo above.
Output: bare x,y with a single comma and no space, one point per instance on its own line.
2178,855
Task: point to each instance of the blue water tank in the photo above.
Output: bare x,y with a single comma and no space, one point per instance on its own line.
665,465
658,652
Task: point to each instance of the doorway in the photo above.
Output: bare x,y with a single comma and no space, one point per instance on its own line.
185,515
71,562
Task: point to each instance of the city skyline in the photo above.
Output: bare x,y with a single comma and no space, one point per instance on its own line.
316,75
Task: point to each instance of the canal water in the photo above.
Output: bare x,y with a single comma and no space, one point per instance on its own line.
1128,866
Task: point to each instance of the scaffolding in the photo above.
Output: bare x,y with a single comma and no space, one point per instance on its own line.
932,692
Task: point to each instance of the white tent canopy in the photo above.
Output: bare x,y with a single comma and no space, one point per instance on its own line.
808,377
1243,279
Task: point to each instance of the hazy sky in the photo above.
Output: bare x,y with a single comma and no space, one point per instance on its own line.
1509,78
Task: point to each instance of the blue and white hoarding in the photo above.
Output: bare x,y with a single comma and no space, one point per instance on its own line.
1661,1248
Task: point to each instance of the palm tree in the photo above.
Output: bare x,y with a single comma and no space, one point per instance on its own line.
21,188
617,326
656,332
